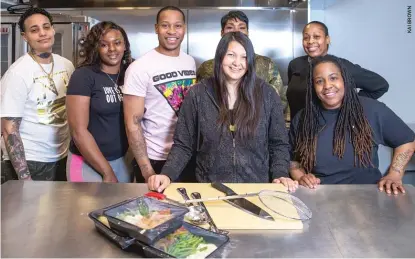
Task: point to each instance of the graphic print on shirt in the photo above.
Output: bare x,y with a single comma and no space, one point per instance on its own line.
50,109
112,94
175,91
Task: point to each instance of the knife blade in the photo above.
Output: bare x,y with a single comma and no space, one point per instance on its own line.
242,203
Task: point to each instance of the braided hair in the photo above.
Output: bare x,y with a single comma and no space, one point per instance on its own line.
351,120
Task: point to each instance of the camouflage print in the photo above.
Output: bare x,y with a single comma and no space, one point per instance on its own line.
265,69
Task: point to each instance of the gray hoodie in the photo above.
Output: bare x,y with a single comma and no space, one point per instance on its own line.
219,156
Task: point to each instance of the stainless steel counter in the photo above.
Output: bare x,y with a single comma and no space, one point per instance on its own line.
49,219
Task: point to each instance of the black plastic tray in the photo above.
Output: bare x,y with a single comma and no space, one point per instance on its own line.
132,245
119,238
210,237
147,236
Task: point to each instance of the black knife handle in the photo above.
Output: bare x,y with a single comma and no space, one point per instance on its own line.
223,188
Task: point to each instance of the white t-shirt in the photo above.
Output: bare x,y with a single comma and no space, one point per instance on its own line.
27,93
163,81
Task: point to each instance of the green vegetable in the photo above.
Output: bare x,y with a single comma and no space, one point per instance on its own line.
143,208
184,244
203,249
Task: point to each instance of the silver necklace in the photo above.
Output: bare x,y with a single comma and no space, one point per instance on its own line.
115,84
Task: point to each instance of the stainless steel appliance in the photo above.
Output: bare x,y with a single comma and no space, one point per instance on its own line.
275,33
275,25
69,38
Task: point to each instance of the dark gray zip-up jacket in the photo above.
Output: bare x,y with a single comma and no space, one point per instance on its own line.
257,160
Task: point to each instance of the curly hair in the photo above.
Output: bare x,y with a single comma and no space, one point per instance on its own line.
30,12
92,45
350,121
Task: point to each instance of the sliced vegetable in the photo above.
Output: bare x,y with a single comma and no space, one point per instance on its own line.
143,208
183,244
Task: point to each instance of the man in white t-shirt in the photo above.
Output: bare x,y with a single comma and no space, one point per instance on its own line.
33,115
154,88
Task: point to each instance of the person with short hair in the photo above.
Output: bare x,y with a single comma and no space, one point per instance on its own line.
155,85
316,42
33,112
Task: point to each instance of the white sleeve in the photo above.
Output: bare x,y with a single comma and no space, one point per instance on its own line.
70,68
13,95
136,80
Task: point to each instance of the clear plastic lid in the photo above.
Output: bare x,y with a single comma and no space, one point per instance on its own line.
145,218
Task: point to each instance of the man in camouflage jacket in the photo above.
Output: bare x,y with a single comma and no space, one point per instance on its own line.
265,67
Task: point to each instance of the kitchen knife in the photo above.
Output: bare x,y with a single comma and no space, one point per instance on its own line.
242,203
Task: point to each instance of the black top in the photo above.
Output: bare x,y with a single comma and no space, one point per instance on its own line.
219,156
106,120
371,84
388,130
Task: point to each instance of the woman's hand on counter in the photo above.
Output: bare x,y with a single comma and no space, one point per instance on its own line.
391,184
287,182
158,182
309,181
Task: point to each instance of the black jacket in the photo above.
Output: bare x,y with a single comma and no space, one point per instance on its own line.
371,84
257,160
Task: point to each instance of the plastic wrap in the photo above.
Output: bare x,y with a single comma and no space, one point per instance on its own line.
145,219
126,242
211,242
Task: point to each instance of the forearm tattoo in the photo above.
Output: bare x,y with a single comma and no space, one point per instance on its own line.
137,141
294,165
138,144
15,149
400,161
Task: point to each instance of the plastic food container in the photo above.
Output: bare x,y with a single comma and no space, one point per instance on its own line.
145,219
102,225
189,241
132,245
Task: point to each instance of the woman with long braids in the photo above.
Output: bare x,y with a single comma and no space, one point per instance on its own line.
95,112
316,41
232,122
335,138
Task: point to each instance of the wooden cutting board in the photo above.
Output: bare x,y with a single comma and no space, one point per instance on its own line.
227,216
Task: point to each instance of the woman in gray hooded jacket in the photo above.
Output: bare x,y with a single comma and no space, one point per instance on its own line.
233,123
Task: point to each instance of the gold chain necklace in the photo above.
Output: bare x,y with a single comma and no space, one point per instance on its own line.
49,75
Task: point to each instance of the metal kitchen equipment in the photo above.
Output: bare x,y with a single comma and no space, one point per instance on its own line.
213,227
269,198
69,38
242,203
196,214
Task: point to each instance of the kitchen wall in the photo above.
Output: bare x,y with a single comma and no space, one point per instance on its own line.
374,34
275,33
